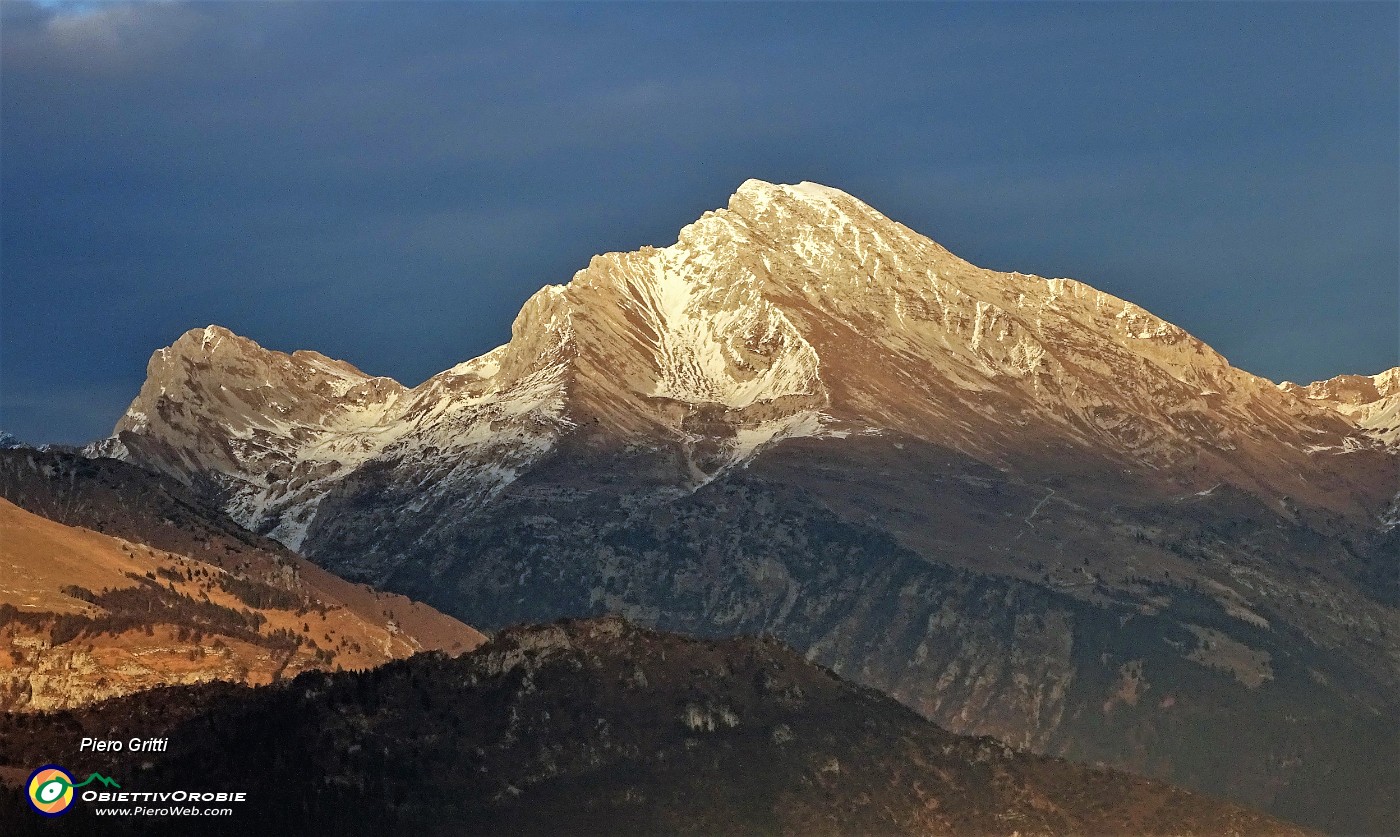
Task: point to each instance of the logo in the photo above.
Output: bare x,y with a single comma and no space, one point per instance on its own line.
51,789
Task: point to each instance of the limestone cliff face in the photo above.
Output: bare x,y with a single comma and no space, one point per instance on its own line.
1023,506
796,311
1372,402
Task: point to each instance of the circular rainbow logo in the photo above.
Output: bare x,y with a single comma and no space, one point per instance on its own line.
50,790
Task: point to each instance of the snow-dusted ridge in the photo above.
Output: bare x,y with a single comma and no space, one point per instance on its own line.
1371,402
281,431
796,311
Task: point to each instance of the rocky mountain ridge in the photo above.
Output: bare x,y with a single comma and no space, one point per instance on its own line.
1023,507
797,311
1372,402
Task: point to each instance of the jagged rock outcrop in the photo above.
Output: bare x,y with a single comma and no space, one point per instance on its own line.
1371,402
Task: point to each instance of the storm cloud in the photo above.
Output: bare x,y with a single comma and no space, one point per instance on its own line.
386,183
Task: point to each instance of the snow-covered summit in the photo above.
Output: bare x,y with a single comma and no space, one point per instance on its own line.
797,310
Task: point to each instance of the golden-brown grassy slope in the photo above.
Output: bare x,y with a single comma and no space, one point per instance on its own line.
86,616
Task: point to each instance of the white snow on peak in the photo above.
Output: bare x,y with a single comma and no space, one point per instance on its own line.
1381,420
482,366
714,342
754,188
763,196
1370,402
815,191
749,440
282,430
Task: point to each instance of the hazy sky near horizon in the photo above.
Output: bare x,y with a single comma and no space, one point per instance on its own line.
388,182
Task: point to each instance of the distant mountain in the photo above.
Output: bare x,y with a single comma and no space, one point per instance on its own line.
172,593
8,441
594,728
1021,506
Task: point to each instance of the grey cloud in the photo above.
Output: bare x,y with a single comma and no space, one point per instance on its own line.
388,182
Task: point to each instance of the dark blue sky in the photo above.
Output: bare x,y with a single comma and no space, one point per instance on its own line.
388,182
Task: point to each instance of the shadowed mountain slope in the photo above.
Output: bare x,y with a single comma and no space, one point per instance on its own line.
598,727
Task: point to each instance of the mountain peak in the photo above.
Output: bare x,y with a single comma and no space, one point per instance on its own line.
215,341
805,190
206,340
799,204
796,311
